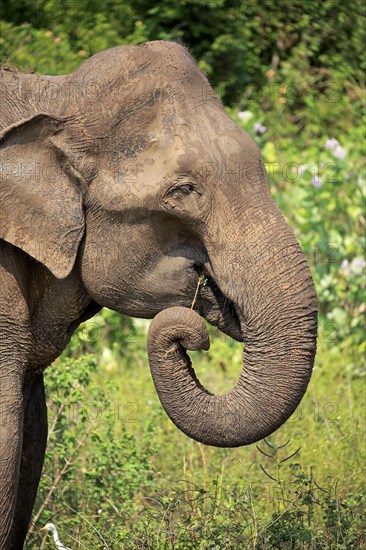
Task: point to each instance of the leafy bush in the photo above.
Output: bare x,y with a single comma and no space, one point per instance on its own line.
320,189
92,462
108,483
235,42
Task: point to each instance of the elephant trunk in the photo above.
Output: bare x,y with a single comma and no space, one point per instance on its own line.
270,285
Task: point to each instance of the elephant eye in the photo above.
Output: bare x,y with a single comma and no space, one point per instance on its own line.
186,189
185,198
183,190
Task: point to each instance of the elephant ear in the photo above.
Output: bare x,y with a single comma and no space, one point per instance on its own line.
41,204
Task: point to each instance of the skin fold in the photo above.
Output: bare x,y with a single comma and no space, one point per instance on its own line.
122,184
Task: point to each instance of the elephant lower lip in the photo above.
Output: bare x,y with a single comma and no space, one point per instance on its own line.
215,307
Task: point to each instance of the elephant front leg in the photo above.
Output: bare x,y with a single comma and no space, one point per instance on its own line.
11,434
33,451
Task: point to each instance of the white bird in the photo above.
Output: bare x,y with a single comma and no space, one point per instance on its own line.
50,527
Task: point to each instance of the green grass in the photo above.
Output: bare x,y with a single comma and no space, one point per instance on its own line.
135,481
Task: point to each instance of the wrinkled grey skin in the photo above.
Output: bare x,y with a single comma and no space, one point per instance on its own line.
122,183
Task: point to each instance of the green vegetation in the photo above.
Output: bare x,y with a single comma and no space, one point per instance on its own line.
118,474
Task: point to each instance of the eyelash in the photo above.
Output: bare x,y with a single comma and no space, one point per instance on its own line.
185,189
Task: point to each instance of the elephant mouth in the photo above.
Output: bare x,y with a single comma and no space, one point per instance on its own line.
215,307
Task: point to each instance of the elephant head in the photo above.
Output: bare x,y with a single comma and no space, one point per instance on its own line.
134,178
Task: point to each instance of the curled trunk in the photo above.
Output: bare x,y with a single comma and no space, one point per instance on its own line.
270,285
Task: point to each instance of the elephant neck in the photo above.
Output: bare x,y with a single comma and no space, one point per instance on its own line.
55,307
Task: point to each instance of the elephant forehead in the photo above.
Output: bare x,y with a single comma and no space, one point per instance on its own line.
130,85
122,182
164,60
212,148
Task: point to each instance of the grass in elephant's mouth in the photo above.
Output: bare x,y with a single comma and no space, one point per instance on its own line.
205,281
202,274
202,281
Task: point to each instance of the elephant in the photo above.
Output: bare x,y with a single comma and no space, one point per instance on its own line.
124,184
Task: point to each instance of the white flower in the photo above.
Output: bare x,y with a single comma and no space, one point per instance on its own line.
346,267
339,152
259,128
302,169
245,115
317,182
336,148
358,265
331,143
